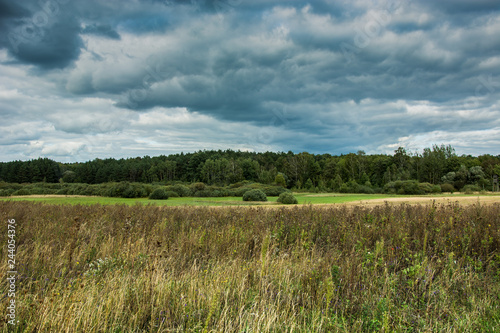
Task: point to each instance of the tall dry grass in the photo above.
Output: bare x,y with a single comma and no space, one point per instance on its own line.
404,268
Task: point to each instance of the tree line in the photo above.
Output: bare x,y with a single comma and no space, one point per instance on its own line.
353,172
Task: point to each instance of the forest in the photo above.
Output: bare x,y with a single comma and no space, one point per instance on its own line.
353,172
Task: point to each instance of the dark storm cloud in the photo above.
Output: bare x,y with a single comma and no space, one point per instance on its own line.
47,33
333,76
464,6
9,9
395,63
42,33
101,30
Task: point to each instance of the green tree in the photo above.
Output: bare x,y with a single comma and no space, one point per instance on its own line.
280,180
461,177
476,174
309,184
337,183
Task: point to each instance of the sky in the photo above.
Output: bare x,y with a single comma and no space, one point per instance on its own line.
90,79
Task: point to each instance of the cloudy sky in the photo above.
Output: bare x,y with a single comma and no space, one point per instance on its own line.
115,78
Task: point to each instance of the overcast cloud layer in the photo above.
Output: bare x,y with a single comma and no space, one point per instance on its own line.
87,79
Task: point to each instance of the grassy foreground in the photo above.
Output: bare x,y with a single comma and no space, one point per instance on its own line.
95,268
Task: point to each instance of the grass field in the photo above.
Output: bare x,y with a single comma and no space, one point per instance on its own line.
222,201
145,268
303,198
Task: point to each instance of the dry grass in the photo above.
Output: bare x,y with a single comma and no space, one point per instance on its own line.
428,200
403,268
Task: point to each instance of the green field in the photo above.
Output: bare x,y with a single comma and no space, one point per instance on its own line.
303,198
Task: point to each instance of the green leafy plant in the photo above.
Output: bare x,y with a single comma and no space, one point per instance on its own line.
159,194
254,195
287,199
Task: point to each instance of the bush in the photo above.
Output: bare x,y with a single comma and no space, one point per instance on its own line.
447,188
469,189
181,190
425,187
139,191
172,194
158,194
197,187
39,190
10,186
344,188
254,195
365,189
240,184
203,194
287,198
274,191
436,189
406,187
353,187
122,189
411,187
238,192
22,192
62,191
114,190
5,193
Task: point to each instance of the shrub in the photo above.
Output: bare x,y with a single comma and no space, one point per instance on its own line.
122,189
181,190
353,187
238,192
287,198
274,191
405,187
436,189
469,189
254,195
240,184
344,188
5,193
425,187
22,192
63,191
115,190
172,194
411,187
447,188
39,190
365,189
197,187
140,191
158,194
203,194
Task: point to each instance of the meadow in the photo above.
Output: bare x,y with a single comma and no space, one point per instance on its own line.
303,198
152,268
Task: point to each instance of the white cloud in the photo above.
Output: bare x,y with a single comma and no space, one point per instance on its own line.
467,142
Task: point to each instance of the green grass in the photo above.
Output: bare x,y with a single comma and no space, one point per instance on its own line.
303,198
190,201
